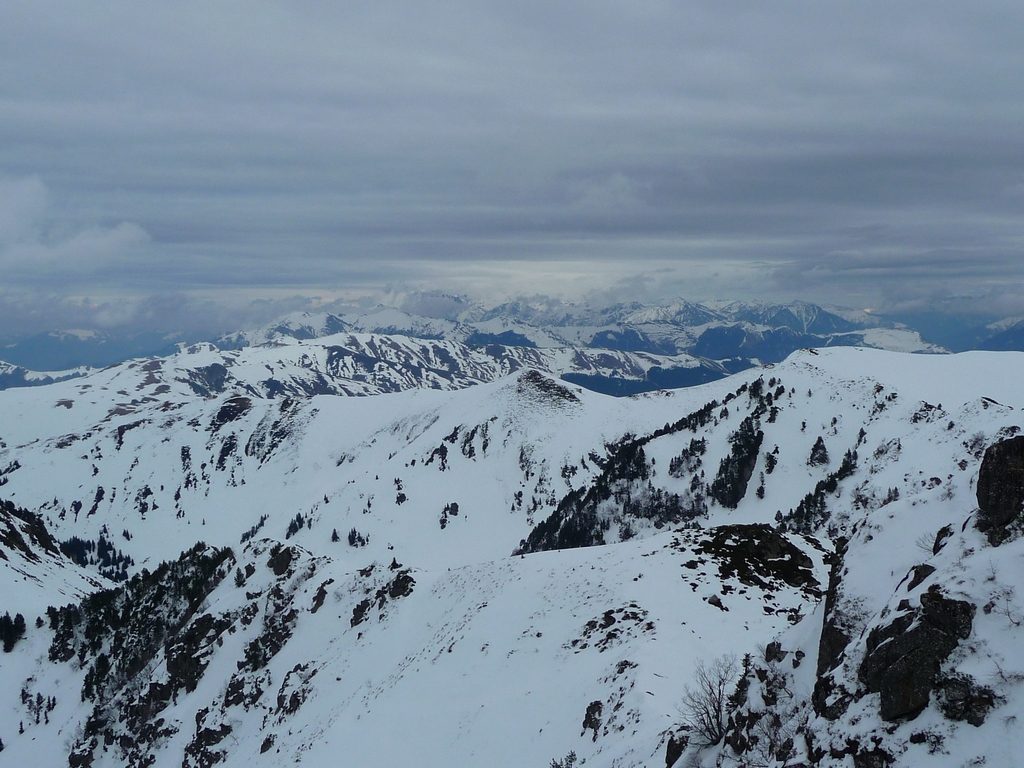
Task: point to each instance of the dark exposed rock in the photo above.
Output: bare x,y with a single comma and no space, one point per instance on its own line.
955,617
536,385
244,689
359,612
83,754
940,538
208,380
280,558
677,743
962,698
294,689
613,626
401,585
320,596
758,555
773,652
1001,487
874,758
199,752
918,574
832,644
592,718
185,663
903,657
24,532
233,409
277,630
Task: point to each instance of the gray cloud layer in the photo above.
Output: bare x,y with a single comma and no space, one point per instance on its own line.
855,152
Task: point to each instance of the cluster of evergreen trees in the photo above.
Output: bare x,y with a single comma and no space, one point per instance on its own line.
730,485
116,632
356,539
108,559
11,630
246,535
689,459
297,523
812,511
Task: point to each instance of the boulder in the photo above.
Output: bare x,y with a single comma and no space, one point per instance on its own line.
962,698
904,656
1001,487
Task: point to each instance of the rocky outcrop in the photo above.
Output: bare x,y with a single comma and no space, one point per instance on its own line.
962,698
903,657
759,556
833,641
24,533
401,585
1001,488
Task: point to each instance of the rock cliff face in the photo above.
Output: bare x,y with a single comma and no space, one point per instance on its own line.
1001,488
904,656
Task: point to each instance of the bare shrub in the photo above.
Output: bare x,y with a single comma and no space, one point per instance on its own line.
703,708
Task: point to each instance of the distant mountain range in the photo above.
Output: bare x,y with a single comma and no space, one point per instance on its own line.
618,349
731,334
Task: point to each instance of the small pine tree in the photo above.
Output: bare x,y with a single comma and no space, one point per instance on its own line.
334,536
819,454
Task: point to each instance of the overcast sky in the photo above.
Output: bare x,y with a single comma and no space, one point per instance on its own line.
165,163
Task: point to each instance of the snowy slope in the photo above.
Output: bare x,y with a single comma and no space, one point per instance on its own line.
505,663
465,651
34,572
507,453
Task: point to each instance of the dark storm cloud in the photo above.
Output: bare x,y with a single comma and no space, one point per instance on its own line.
866,152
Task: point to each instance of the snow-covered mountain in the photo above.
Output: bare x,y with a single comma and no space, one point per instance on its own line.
618,349
499,569
17,376
360,364
666,328
726,338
